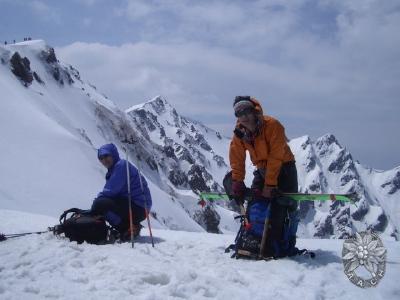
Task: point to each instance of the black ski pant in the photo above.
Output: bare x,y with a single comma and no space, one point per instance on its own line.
116,212
287,179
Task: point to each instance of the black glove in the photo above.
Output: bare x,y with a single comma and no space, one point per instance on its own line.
238,190
270,192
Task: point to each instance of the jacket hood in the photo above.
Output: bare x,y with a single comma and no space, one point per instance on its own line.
257,105
109,149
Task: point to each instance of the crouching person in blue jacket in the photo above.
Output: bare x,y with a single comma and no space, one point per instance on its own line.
112,202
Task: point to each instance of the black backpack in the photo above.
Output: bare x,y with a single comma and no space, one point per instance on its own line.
81,227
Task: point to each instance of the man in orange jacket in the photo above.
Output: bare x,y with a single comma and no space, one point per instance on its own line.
264,138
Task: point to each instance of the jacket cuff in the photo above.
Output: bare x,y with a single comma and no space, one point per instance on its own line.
236,177
271,182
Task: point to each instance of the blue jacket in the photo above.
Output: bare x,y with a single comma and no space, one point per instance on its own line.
116,180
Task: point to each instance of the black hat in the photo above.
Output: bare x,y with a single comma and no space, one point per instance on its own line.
242,102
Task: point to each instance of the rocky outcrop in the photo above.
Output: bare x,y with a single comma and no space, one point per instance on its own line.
393,185
21,68
197,178
52,65
37,78
208,218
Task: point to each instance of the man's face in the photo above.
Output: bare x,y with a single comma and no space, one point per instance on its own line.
107,161
247,118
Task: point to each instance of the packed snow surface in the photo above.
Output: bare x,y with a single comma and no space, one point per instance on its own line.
183,265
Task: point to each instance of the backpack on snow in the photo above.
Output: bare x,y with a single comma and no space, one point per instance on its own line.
278,244
281,227
83,227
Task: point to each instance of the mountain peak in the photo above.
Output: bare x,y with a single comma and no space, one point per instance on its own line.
328,139
157,98
159,104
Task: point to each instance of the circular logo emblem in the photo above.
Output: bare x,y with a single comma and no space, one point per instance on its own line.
364,254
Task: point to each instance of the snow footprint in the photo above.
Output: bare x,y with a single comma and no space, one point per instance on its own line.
298,281
80,279
32,290
157,279
77,264
21,264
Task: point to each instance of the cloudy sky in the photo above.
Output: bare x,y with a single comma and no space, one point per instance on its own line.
325,66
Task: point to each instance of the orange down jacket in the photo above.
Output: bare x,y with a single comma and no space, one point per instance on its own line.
269,150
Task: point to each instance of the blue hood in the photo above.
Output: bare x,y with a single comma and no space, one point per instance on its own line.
109,149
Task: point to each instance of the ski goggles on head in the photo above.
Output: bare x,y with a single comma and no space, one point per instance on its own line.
244,111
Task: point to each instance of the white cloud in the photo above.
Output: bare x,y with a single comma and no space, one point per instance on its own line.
333,67
43,10
138,9
39,6
88,2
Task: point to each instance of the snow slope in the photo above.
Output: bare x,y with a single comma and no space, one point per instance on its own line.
182,265
50,127
43,154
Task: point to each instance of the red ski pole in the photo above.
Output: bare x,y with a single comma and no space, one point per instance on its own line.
129,198
145,207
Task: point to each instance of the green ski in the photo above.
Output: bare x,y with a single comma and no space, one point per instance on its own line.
212,196
322,197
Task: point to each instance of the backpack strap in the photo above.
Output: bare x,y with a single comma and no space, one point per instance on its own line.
238,236
305,252
65,213
230,247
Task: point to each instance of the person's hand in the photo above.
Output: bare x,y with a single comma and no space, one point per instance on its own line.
238,190
256,192
270,191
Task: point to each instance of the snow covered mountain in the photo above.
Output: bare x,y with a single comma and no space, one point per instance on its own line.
189,153
52,121
51,124
324,166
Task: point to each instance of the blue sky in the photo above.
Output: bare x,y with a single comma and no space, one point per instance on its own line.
318,66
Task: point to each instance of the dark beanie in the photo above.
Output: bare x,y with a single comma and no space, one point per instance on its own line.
242,102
